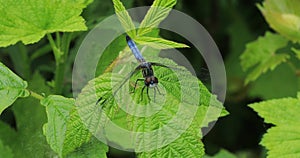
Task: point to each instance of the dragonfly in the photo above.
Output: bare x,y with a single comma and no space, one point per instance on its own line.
149,79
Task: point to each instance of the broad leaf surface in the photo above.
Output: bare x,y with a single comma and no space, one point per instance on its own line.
97,107
264,85
64,131
283,140
29,20
11,87
58,112
261,54
283,16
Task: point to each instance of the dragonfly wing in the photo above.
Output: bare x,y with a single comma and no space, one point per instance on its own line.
170,67
128,76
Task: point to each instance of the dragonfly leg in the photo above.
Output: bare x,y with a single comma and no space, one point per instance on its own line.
148,93
140,79
142,92
99,100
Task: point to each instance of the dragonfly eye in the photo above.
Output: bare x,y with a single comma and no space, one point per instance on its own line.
151,81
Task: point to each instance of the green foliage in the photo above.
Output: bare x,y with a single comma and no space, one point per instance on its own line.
65,132
42,17
173,89
283,139
76,133
57,109
262,53
28,140
159,43
11,87
124,18
156,14
297,52
264,85
267,53
59,127
283,17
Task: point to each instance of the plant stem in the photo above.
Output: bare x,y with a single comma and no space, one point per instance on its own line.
35,95
60,51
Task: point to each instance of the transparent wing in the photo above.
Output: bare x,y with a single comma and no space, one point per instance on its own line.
103,101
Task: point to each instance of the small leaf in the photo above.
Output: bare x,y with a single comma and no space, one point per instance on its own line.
283,140
297,52
283,16
156,14
263,67
58,109
5,151
11,87
124,18
262,53
159,43
29,20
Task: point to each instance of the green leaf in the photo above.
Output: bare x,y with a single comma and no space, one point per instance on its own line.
283,17
297,52
11,87
263,67
29,20
96,101
57,109
262,53
76,133
156,14
283,140
264,86
93,148
187,146
159,43
124,18
5,151
30,117
64,130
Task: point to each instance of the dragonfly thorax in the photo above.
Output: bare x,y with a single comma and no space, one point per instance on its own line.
151,81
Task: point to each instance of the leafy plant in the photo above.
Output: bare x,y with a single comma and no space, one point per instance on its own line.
267,53
56,127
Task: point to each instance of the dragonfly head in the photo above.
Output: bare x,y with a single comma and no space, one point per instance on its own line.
151,81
